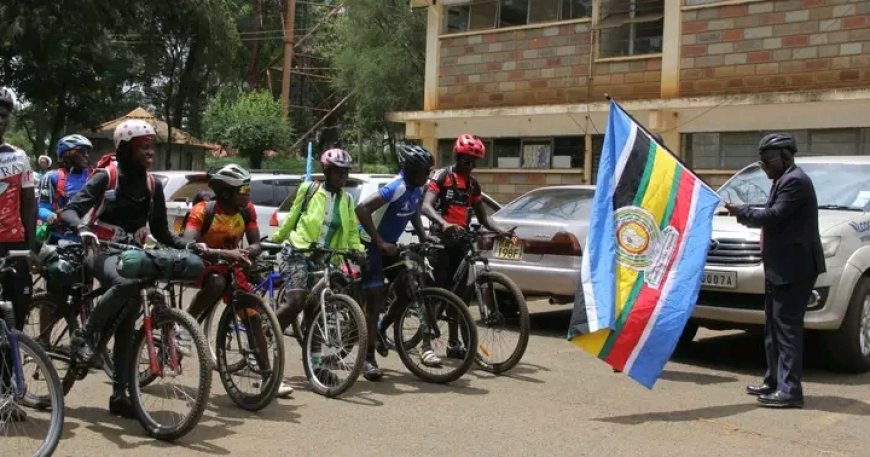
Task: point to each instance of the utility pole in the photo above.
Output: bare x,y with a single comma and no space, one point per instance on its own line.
289,31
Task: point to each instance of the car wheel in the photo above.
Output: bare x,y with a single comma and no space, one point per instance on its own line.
851,342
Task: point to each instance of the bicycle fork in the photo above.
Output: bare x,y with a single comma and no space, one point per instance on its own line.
169,344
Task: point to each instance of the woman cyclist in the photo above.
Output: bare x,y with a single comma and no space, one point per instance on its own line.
119,203
328,220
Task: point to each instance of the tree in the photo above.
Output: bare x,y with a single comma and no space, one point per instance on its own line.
377,49
251,123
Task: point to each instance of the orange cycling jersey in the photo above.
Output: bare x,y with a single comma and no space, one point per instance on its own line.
226,231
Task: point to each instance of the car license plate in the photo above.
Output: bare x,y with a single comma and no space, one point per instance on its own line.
719,279
507,250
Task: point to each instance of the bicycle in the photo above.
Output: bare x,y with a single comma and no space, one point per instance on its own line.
425,317
156,349
499,303
333,328
245,343
25,408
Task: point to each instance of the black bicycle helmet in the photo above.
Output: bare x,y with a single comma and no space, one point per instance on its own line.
777,141
7,98
414,158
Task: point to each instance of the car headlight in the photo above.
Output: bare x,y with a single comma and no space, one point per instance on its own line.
830,245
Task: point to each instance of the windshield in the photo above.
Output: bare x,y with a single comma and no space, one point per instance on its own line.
838,185
551,205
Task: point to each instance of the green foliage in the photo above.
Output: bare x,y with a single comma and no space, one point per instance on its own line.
251,124
378,49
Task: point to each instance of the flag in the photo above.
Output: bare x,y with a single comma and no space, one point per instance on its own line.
649,230
308,163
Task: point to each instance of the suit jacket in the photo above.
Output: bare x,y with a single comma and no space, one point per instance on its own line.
791,247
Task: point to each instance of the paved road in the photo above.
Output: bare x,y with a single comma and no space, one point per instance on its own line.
559,401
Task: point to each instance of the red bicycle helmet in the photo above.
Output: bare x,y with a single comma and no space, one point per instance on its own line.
469,144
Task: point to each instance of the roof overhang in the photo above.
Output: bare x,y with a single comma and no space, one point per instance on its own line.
739,112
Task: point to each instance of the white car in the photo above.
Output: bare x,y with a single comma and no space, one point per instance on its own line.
268,190
171,180
360,186
732,291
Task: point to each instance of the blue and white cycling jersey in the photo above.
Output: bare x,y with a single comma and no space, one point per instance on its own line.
392,218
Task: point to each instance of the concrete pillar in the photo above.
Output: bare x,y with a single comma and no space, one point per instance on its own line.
434,16
665,124
587,155
427,133
670,85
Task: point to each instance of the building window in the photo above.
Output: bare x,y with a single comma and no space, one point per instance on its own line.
488,14
532,153
630,27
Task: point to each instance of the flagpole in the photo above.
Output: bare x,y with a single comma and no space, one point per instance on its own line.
308,163
653,135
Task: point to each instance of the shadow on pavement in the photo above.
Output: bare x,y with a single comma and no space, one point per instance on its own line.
395,383
222,408
702,379
521,372
129,434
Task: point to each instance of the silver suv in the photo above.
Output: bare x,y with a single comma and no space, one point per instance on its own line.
732,291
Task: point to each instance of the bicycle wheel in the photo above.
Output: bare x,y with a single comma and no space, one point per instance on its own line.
32,424
334,351
250,352
502,323
440,309
172,404
209,331
51,329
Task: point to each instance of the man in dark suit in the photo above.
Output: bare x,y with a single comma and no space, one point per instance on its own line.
793,258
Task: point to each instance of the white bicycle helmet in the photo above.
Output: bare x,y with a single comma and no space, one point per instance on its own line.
336,157
132,128
230,175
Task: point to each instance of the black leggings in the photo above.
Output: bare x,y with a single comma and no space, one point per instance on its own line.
121,301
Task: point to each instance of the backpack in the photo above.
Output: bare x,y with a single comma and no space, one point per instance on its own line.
60,187
446,195
112,186
209,216
309,192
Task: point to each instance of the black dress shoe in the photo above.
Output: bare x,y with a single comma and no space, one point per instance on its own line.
780,399
762,389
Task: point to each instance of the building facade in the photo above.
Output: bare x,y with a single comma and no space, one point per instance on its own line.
711,76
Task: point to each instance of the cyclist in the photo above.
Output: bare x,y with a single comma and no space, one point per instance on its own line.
383,217
220,224
328,220
201,196
448,198
118,204
18,219
57,187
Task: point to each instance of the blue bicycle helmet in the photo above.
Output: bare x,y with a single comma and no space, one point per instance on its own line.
71,142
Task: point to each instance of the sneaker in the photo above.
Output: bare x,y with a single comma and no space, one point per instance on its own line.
371,371
121,405
383,345
284,390
456,350
430,359
326,377
82,348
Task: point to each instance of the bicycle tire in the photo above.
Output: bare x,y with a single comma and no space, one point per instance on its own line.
57,354
55,402
522,314
458,307
270,386
358,318
209,330
152,427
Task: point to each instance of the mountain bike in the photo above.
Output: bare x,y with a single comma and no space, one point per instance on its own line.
497,305
427,321
334,338
168,402
31,397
